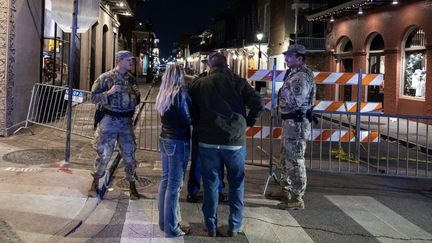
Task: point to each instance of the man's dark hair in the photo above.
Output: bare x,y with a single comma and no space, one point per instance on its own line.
216,59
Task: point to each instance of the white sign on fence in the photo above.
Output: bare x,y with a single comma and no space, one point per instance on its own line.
77,96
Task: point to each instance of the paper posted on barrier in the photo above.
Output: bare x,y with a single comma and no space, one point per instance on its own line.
77,96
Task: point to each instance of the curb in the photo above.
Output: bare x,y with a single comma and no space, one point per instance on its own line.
91,203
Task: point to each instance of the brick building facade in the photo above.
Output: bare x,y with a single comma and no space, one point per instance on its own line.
393,39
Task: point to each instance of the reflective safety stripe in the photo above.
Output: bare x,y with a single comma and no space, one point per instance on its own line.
341,106
317,134
320,77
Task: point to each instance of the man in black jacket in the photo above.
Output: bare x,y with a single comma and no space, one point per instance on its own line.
219,101
194,181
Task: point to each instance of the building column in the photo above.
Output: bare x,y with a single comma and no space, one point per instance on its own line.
7,29
359,62
392,80
428,89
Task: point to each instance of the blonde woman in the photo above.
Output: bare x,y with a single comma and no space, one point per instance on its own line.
173,103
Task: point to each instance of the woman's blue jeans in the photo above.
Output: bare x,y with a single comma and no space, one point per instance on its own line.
175,156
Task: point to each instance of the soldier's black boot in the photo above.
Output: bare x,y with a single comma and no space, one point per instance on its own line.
133,193
93,191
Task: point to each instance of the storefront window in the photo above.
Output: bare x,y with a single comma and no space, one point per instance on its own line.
415,65
375,93
345,65
55,51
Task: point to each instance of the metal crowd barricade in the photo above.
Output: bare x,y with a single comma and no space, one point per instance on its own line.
388,145
149,126
48,107
400,148
351,137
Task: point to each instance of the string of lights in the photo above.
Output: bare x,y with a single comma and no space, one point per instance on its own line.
343,9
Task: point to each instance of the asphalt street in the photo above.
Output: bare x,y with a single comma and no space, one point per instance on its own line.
339,208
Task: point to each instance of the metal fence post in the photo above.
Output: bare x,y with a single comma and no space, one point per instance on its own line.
358,132
28,113
272,118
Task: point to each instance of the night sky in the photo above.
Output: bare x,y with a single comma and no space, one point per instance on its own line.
171,18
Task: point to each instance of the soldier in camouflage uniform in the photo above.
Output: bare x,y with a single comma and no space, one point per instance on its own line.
295,100
116,92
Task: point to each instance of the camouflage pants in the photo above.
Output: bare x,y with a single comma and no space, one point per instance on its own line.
110,131
292,163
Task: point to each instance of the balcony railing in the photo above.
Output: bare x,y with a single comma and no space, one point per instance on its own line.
312,43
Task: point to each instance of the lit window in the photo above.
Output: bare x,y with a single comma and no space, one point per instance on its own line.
414,77
375,93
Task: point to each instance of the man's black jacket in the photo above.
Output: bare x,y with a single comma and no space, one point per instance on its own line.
219,102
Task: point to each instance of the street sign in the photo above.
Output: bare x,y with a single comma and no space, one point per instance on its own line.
88,14
77,96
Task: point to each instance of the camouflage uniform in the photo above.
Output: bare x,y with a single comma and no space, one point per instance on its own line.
297,93
113,129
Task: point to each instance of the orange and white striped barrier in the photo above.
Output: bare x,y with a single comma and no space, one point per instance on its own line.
317,134
263,132
320,77
342,106
346,106
267,103
343,135
265,75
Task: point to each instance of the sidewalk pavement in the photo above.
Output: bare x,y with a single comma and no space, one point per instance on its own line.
38,191
40,196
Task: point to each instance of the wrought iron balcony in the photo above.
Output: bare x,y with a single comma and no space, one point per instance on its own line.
312,44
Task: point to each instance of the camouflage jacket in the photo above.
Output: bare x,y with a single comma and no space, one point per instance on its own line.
123,101
298,91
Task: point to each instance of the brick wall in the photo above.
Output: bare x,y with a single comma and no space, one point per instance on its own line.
392,23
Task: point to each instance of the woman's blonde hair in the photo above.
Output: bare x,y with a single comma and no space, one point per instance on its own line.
172,83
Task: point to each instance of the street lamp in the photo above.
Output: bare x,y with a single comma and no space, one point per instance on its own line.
259,84
259,37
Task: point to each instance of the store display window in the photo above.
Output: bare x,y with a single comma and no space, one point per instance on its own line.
414,76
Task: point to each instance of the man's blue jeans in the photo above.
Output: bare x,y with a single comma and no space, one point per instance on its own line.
194,181
175,156
212,158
